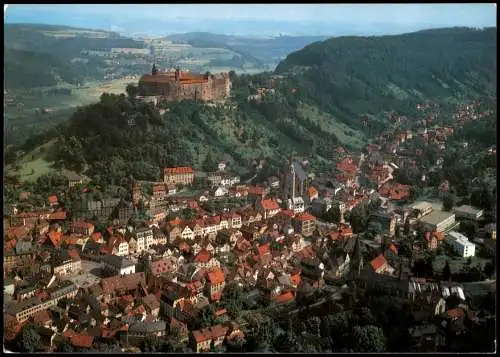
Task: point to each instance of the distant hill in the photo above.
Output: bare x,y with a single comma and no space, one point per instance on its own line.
350,76
258,50
42,55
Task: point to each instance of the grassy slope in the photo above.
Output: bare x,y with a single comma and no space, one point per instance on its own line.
35,160
329,124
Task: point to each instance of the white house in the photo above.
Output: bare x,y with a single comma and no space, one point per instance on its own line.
187,233
221,191
222,166
235,220
296,204
460,244
145,238
224,223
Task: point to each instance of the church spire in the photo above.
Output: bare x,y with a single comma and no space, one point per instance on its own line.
154,70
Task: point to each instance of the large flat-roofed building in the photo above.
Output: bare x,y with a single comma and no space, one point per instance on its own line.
467,212
438,221
423,208
178,175
460,244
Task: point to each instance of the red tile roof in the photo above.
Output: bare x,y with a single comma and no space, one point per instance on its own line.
127,283
216,276
202,335
455,313
80,340
96,237
284,298
82,224
255,190
263,249
202,257
312,191
306,216
220,312
287,212
269,204
218,331
295,279
55,238
347,165
378,262
16,232
178,170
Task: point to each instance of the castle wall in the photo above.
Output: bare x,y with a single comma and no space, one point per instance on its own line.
215,87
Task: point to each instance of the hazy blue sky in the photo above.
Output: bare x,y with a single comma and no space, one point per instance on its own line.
441,14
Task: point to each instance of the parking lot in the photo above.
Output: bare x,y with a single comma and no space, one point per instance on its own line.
90,275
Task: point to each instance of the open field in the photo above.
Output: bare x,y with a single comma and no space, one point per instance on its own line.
34,164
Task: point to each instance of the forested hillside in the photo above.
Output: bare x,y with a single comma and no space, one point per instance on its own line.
350,76
43,55
308,113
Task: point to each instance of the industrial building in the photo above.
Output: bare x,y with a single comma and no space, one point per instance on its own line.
438,221
460,244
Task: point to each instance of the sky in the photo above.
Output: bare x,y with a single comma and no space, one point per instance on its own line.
447,13
407,15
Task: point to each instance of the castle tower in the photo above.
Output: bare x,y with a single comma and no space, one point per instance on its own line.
177,75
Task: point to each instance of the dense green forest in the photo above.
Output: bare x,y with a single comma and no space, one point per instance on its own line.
119,136
348,76
34,57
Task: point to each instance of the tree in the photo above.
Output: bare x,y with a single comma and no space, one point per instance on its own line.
449,201
206,315
188,213
235,344
232,291
234,308
333,215
210,164
29,339
131,91
446,273
374,229
369,339
152,344
313,325
489,269
358,218
65,347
